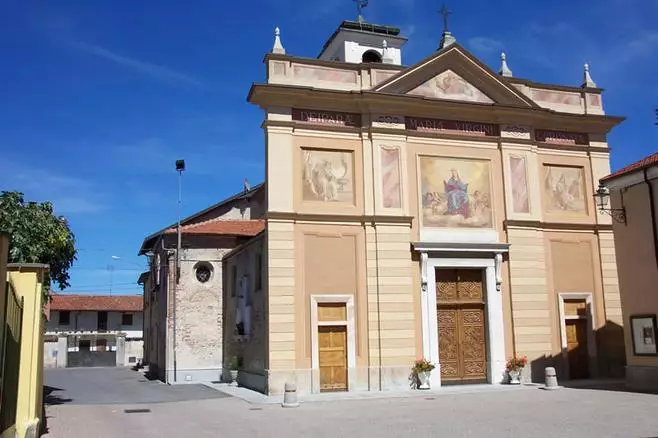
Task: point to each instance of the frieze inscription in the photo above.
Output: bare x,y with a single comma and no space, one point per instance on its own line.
326,117
452,126
560,137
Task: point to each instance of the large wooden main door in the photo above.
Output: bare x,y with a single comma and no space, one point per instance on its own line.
332,343
461,325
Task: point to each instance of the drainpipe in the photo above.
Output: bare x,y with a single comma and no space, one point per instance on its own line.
652,206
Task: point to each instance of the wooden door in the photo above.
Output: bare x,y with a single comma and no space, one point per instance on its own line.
332,343
577,348
461,325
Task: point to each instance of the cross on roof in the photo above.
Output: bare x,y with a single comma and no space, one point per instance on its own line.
445,12
360,4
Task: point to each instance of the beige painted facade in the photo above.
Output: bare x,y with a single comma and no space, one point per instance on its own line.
635,190
359,158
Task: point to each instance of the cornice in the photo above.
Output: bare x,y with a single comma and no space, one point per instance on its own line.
556,226
409,133
364,101
348,218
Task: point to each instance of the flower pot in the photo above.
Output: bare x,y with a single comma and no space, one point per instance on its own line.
234,377
514,377
424,379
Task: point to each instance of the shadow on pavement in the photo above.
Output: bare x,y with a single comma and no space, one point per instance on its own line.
604,385
50,399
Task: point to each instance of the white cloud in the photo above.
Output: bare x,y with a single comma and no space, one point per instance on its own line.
67,194
153,70
485,45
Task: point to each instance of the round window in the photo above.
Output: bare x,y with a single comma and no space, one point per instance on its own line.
203,272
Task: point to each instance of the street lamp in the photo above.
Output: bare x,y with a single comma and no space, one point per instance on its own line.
602,198
180,167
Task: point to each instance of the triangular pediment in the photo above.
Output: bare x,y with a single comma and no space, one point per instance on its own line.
449,85
454,74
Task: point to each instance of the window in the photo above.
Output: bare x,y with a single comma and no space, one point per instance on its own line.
126,319
64,317
203,272
259,271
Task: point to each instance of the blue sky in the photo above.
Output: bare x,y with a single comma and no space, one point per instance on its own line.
100,98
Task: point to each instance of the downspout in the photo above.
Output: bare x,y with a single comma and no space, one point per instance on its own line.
652,206
379,319
173,316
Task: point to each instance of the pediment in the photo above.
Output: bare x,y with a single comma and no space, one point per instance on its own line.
449,85
454,74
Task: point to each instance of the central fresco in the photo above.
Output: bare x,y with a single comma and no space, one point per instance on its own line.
456,193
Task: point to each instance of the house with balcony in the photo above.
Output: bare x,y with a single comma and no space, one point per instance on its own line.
93,325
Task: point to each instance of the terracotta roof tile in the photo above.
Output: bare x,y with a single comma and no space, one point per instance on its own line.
230,227
651,160
117,303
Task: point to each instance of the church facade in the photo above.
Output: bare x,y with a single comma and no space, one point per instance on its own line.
441,210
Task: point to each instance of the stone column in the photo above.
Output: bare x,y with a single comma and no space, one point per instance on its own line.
62,351
121,350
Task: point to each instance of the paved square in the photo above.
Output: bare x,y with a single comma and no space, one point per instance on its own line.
527,412
116,385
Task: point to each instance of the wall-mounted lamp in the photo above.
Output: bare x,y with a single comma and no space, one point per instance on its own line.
602,197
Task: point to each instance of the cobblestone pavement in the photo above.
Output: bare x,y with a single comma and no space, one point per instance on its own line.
523,413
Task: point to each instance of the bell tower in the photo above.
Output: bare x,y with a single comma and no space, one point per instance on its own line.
358,42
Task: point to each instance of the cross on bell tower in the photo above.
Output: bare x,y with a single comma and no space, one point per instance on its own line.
360,4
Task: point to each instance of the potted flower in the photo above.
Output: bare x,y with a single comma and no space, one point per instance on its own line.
236,363
514,367
422,369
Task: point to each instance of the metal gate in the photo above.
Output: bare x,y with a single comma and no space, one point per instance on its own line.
91,350
10,352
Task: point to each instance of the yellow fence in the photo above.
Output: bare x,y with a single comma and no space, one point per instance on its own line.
24,284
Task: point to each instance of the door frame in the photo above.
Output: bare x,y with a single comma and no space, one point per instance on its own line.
495,327
591,323
348,300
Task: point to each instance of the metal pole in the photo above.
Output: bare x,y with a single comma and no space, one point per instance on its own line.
180,203
111,268
177,273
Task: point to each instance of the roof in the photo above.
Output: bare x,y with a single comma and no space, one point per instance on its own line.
118,303
651,160
225,227
149,240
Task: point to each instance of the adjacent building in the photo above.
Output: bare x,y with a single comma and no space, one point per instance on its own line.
183,313
92,325
634,207
442,210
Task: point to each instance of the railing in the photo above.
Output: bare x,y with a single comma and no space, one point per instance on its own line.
10,351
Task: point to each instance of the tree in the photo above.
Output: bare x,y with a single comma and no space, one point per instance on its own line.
38,236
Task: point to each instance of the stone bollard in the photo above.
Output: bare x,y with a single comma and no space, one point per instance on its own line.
290,396
550,378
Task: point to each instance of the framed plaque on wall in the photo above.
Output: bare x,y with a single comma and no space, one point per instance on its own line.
643,333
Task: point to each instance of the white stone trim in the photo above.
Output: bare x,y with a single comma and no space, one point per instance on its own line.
348,300
458,235
591,324
494,310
